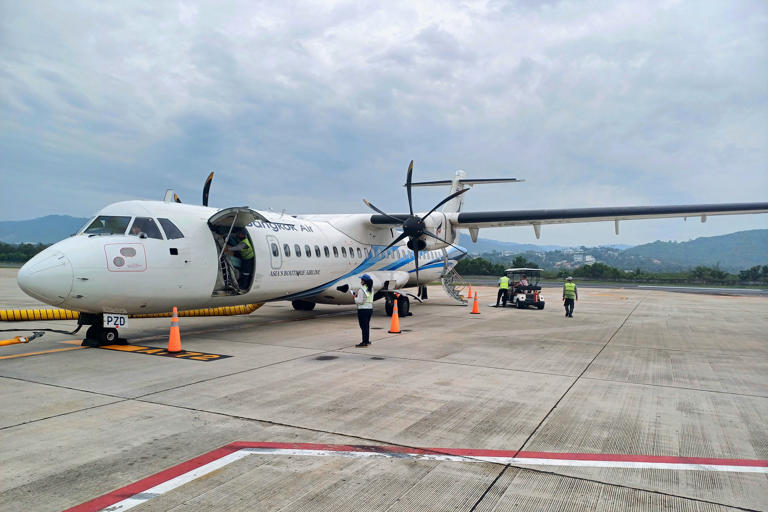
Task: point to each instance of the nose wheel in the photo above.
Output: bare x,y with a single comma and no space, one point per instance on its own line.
97,335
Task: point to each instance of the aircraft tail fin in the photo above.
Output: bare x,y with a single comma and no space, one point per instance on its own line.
459,182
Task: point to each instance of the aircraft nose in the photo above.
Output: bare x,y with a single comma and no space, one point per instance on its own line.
47,277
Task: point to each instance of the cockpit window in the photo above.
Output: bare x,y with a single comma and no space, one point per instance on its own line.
171,231
108,225
145,226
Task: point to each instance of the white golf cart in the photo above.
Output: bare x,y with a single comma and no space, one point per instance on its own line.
522,295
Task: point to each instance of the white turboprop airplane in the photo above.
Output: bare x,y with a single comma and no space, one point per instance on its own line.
140,257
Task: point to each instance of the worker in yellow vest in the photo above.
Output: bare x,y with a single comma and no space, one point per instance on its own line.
503,291
245,251
570,294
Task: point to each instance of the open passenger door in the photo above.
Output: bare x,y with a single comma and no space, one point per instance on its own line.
235,217
223,225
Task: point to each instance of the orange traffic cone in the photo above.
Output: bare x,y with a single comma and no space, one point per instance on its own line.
174,339
469,293
475,306
394,327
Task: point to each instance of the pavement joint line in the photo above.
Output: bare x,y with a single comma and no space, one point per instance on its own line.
67,413
536,429
629,487
304,356
698,350
730,393
410,488
180,474
209,379
456,363
487,490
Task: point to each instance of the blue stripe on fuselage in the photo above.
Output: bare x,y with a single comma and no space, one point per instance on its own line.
366,264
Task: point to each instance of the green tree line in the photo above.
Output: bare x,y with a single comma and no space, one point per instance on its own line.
19,253
600,271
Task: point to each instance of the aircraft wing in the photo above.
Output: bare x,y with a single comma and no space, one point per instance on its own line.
568,215
477,220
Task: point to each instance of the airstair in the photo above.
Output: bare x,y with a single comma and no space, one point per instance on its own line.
455,286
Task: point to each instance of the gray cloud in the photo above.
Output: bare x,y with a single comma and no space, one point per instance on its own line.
315,106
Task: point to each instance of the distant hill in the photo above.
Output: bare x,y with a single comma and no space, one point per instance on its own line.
47,230
736,251
733,252
488,245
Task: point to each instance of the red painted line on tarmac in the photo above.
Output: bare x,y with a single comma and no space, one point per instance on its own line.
128,491
464,452
146,483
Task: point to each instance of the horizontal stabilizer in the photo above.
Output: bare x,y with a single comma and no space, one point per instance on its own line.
479,181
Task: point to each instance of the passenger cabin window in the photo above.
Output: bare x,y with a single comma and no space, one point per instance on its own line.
275,250
287,249
171,231
317,251
145,226
327,252
343,252
108,225
335,252
307,251
297,248
359,253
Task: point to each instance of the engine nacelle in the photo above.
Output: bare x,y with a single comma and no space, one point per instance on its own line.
438,224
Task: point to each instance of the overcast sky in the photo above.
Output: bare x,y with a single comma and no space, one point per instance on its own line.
311,106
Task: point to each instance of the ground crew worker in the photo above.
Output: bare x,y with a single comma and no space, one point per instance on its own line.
503,290
570,294
246,255
364,301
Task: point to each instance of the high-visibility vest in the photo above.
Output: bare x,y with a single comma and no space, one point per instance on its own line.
368,304
247,252
569,290
504,283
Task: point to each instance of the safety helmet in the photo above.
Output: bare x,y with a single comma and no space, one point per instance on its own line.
569,278
366,277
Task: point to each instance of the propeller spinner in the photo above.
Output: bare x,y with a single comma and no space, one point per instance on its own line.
414,228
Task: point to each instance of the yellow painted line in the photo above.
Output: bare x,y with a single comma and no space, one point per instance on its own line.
155,351
124,348
26,354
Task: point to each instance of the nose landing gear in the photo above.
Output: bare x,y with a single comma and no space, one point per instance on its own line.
97,335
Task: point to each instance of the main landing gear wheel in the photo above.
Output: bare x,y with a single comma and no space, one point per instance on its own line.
303,305
403,306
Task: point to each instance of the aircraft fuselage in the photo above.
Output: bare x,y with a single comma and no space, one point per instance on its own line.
295,258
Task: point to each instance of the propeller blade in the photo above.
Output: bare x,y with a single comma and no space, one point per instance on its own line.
408,186
441,203
176,197
444,241
207,188
416,259
402,235
381,212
